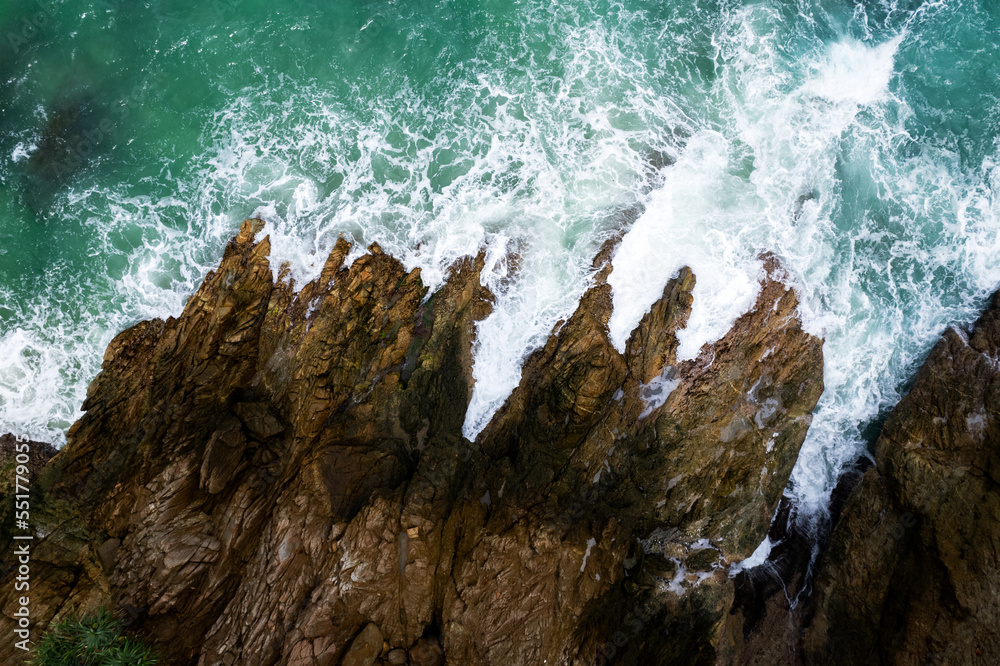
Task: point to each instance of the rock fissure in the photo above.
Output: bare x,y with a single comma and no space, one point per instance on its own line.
288,481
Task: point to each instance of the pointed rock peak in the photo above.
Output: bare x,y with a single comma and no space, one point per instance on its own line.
773,270
476,264
653,344
249,229
334,262
602,260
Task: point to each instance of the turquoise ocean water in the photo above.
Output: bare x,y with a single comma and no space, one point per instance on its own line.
856,140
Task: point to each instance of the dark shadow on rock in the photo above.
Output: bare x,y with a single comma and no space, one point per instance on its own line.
796,543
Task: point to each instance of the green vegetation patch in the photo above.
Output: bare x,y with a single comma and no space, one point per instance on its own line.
92,640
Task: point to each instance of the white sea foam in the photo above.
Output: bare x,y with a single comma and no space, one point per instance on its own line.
693,220
21,152
790,140
758,557
41,376
855,73
658,390
527,161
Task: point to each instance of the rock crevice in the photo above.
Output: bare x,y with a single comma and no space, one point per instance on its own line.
279,476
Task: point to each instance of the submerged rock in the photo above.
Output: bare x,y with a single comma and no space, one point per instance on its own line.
278,476
69,139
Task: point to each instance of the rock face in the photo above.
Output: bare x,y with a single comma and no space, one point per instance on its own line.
910,575
279,476
912,572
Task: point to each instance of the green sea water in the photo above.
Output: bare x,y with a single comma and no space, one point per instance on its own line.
858,141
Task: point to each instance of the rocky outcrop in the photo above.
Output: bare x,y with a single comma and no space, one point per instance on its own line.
910,575
278,476
912,571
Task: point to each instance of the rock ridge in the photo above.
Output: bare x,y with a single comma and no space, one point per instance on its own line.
279,476
910,572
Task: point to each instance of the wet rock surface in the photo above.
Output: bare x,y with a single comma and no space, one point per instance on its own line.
913,563
910,572
278,476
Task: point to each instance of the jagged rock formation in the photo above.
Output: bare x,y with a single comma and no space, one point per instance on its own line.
910,575
280,478
914,561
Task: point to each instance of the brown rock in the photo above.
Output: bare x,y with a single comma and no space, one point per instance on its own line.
912,572
107,552
364,649
427,652
286,474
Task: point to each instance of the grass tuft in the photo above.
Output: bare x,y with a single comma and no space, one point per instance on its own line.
92,640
